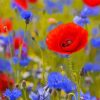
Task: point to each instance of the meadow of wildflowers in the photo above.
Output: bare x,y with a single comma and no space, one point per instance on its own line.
49,49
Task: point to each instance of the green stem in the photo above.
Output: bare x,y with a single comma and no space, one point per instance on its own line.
71,69
17,73
59,95
74,77
25,30
24,94
86,27
41,58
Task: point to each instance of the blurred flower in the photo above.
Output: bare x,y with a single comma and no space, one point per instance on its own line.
95,42
38,73
88,11
86,96
63,39
88,81
33,1
89,67
26,74
52,20
4,40
21,3
15,60
66,2
5,82
81,20
58,81
5,66
24,62
51,6
20,33
17,42
5,26
93,3
95,31
42,94
30,87
8,25
13,94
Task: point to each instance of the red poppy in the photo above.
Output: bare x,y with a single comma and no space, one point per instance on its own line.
32,1
1,25
1,28
5,82
18,41
92,3
22,3
5,25
67,38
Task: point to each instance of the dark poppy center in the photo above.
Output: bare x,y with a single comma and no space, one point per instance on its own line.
66,43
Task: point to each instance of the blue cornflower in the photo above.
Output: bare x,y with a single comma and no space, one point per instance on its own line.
42,94
26,15
86,96
97,58
5,66
14,94
54,80
51,6
24,62
15,60
81,20
4,40
89,11
89,67
95,42
68,85
95,31
58,81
